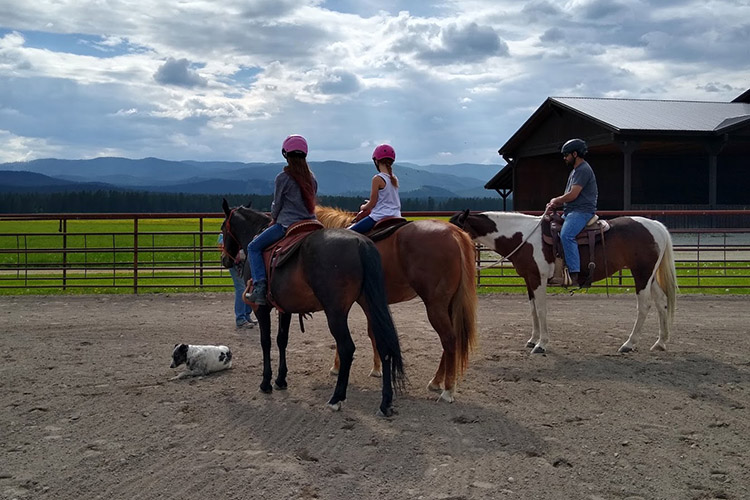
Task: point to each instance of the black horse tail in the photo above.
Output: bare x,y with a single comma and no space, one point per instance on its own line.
383,329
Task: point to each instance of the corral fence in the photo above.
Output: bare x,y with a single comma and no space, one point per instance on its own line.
132,253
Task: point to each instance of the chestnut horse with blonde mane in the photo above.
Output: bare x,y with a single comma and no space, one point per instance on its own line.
434,260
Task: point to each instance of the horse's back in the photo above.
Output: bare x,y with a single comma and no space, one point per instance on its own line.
328,269
423,258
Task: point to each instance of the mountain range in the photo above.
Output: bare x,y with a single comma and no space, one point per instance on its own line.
335,178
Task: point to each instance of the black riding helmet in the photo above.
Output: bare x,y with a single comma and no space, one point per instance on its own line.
578,145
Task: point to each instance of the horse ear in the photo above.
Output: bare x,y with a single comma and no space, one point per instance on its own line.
464,215
225,206
249,203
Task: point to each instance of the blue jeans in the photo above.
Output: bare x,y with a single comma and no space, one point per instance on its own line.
271,235
242,311
574,223
363,225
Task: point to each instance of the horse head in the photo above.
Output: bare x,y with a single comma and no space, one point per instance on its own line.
239,227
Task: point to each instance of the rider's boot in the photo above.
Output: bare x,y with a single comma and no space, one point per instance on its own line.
258,295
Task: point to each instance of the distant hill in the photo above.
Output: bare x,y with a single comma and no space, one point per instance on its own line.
335,178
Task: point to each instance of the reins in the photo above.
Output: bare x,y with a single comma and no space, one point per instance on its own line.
228,230
505,258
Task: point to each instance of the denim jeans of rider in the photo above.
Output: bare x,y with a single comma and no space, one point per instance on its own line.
255,249
574,223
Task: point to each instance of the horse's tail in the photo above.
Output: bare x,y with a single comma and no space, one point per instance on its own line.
463,307
666,276
383,329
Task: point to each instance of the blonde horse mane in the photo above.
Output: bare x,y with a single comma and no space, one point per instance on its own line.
333,217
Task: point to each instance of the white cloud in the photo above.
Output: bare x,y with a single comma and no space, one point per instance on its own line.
228,79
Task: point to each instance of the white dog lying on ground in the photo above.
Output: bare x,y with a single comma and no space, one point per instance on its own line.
201,359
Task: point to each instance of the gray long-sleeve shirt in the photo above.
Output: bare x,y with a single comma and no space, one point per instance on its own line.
288,205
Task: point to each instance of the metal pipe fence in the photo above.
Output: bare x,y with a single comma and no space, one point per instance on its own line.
133,253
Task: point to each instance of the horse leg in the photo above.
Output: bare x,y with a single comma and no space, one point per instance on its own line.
345,350
282,340
531,343
660,301
263,313
377,367
539,319
334,370
644,304
446,373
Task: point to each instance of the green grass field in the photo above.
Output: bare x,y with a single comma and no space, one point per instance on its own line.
174,256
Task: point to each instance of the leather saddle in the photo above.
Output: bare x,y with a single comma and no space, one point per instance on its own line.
589,235
280,252
386,227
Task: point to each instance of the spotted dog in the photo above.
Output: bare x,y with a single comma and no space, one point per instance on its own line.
200,359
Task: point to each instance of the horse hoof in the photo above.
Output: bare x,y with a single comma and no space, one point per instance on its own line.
385,414
266,389
376,373
446,396
333,371
658,346
334,406
530,344
281,387
625,348
538,350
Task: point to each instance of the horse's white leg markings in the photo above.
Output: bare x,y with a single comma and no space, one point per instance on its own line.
660,301
534,326
644,304
540,298
446,396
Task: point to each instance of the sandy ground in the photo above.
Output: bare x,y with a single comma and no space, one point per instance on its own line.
88,411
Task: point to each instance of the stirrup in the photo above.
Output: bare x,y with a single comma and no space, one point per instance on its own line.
563,280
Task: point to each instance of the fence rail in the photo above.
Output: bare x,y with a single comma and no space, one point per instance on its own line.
138,252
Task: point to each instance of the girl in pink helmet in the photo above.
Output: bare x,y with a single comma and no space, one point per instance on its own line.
384,200
293,200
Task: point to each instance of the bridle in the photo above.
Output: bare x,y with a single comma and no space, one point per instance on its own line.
228,231
507,257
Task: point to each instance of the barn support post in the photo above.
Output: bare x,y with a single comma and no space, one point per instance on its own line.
627,147
714,148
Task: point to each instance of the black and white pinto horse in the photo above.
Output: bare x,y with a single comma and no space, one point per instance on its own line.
641,245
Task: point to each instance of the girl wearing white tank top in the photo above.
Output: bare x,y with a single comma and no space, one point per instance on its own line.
384,200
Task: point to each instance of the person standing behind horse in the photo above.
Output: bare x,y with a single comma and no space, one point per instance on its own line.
578,202
294,194
242,312
384,199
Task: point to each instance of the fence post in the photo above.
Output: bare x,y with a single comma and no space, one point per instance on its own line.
64,228
135,254
200,242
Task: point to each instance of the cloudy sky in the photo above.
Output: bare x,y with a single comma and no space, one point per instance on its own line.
444,81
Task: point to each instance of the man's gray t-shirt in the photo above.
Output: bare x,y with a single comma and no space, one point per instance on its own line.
583,175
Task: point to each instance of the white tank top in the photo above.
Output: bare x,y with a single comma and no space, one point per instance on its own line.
389,203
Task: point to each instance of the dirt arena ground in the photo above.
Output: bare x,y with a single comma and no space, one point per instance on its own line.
88,411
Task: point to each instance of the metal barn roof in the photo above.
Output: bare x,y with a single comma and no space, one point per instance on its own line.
677,116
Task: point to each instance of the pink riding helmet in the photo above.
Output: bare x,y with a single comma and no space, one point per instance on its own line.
294,144
384,151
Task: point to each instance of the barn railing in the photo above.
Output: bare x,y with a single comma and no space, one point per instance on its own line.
133,253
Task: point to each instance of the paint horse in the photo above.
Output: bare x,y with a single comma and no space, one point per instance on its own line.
642,245
433,260
330,271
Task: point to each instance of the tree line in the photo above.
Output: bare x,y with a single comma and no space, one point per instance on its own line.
105,201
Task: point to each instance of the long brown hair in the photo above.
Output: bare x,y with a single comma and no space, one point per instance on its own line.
298,169
389,165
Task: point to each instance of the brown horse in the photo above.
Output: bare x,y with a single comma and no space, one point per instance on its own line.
433,260
332,269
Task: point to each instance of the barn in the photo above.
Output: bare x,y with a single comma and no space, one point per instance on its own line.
647,154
